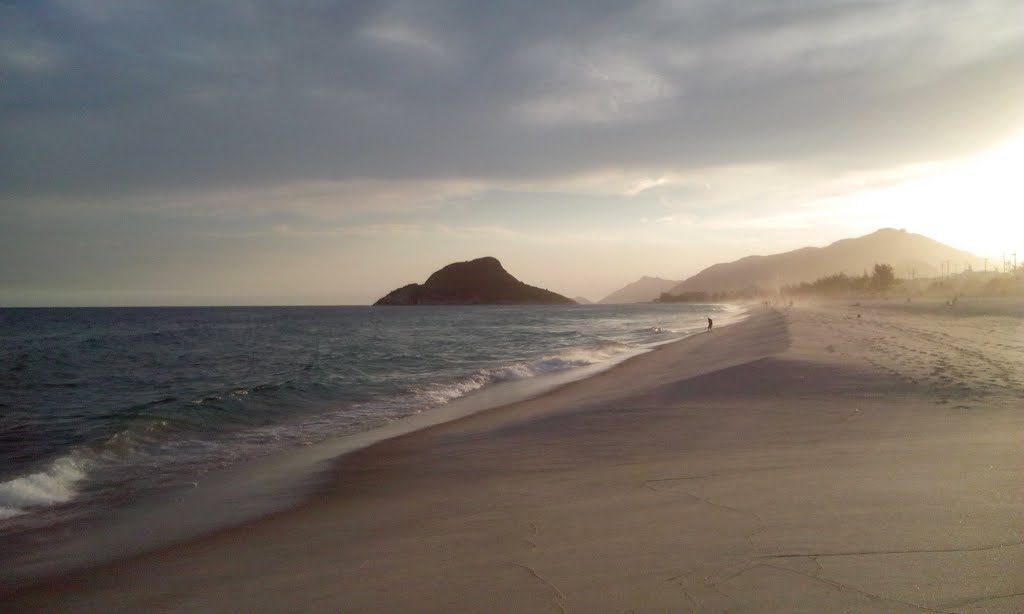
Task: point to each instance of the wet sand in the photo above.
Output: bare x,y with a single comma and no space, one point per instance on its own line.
802,460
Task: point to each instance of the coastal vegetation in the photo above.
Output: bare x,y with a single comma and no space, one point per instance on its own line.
881,283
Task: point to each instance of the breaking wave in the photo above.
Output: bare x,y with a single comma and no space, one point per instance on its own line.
54,485
440,393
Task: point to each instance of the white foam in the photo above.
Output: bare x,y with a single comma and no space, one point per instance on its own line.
439,394
9,512
658,330
52,486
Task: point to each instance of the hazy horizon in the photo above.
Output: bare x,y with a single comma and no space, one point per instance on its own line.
327,153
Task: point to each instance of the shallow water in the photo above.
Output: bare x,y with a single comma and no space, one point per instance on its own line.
107,411
101,403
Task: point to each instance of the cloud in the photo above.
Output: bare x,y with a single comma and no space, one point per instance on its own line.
162,96
479,232
142,138
374,230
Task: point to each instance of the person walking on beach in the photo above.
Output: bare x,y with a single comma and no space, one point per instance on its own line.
710,324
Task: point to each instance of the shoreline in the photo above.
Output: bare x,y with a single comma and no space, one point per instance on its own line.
717,471
266,486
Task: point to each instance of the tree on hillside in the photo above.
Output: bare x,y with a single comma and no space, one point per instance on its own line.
883,277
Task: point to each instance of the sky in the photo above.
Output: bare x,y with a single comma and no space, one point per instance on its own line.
319,152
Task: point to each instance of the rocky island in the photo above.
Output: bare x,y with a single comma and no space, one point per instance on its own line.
477,282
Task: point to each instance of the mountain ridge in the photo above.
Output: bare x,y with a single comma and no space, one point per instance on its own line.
910,255
643,290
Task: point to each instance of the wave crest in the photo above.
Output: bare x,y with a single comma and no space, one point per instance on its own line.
52,486
439,394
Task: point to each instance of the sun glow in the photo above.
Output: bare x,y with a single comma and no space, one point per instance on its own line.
976,204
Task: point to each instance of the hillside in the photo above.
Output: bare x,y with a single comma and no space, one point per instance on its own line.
910,255
644,290
477,282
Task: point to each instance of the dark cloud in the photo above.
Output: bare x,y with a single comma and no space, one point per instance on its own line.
102,98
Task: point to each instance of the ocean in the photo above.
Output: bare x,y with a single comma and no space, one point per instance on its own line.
110,418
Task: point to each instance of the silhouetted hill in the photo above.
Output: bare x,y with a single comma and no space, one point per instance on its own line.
909,254
477,282
643,290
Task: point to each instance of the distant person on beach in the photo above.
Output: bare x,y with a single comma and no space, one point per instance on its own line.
710,324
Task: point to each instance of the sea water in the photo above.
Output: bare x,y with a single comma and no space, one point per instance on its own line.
105,409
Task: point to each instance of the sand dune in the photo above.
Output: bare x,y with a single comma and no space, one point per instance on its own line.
802,460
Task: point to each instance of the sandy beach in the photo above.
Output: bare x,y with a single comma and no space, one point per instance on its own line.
833,458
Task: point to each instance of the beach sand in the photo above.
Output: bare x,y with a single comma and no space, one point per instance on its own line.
828,458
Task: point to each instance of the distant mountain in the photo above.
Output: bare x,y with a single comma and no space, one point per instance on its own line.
643,290
477,282
910,254
582,300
